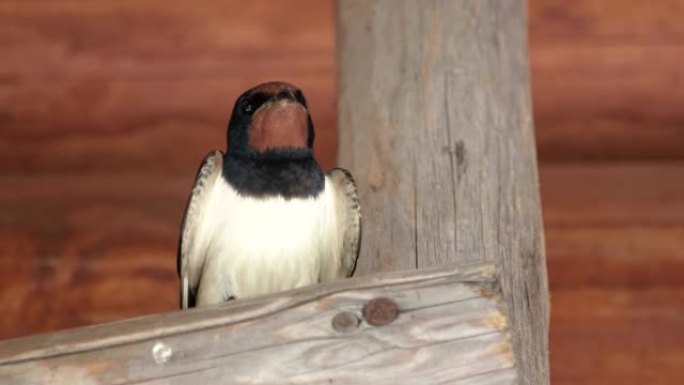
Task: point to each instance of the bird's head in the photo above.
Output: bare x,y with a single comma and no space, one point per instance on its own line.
271,120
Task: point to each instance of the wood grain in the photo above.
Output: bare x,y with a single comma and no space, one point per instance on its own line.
450,328
634,256
603,22
613,194
117,87
606,79
617,336
100,101
617,225
608,103
435,124
83,249
168,134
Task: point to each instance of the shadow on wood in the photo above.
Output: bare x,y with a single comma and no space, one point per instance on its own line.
449,327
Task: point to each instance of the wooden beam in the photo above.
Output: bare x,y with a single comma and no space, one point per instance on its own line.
434,326
435,123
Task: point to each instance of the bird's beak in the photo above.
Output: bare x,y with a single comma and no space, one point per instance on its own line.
279,123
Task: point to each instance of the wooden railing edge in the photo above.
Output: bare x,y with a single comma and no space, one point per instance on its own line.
401,316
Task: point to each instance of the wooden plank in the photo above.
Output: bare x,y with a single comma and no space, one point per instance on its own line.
435,124
149,126
631,256
606,22
449,328
613,194
112,85
78,249
617,336
605,102
148,86
48,294
614,225
156,39
589,74
606,79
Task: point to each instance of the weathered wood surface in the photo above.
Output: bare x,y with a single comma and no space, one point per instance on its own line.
435,123
450,328
606,83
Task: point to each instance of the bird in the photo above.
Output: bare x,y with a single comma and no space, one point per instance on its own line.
263,217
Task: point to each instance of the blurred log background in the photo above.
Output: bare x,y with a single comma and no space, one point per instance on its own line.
107,108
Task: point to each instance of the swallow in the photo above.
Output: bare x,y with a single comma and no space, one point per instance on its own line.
263,216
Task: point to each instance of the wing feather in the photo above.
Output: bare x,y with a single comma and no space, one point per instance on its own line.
348,214
191,253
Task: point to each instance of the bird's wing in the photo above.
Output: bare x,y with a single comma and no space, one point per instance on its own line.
348,225
191,248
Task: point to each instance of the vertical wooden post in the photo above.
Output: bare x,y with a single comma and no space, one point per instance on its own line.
435,123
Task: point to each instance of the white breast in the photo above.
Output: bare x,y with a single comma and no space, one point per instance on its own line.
258,246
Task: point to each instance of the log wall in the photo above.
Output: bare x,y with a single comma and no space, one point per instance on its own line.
107,108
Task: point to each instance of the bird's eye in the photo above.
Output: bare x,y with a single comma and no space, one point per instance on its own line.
300,98
247,107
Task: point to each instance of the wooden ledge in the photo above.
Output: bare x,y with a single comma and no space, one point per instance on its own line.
434,326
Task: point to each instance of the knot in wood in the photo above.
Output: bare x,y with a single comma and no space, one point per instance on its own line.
380,311
345,321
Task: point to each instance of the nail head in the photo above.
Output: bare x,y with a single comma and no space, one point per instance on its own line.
345,321
380,311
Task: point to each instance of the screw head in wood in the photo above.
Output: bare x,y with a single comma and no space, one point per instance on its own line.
380,311
345,321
